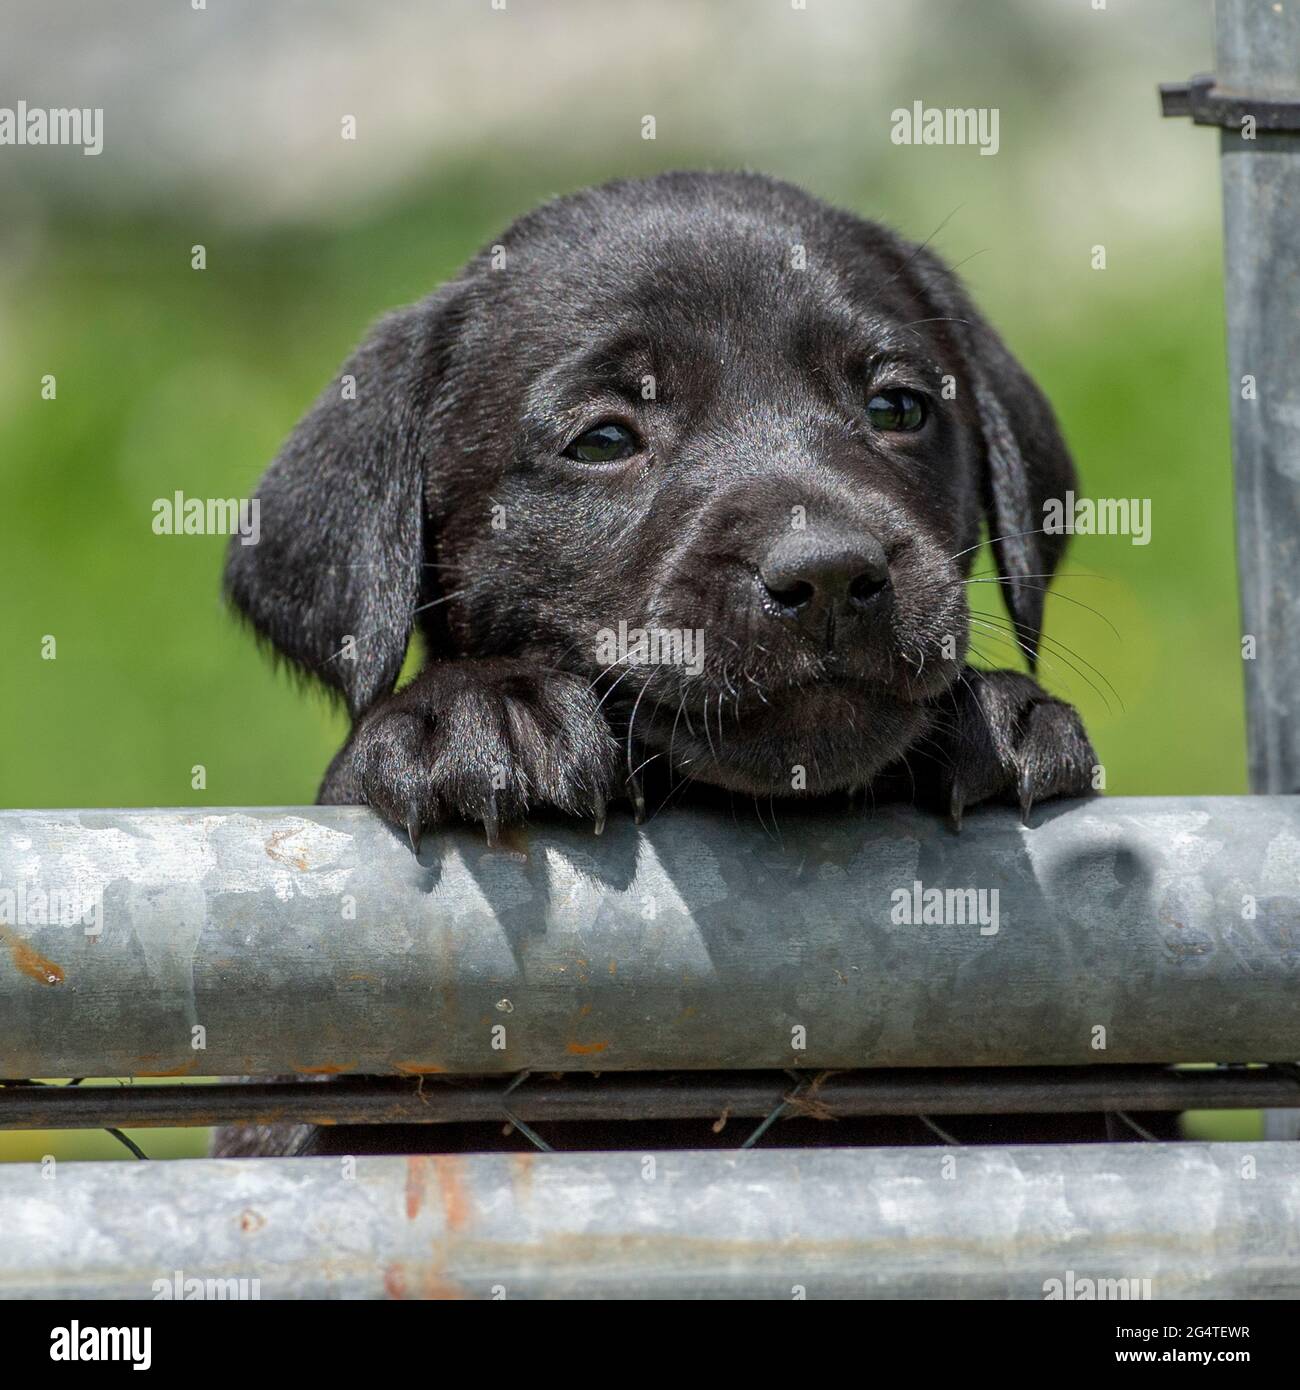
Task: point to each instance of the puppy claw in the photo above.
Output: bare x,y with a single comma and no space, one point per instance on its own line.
492,823
638,798
598,812
413,832
1015,744
956,805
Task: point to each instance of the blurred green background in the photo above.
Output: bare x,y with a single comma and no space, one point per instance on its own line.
222,128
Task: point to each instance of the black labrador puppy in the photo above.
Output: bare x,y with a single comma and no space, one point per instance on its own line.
681,482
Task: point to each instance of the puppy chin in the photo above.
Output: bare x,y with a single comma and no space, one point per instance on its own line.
803,742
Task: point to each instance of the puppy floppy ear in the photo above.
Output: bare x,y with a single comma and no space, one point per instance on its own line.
1026,462
333,580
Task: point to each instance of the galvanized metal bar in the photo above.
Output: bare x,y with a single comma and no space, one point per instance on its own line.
1258,56
311,941
642,1095
1169,1220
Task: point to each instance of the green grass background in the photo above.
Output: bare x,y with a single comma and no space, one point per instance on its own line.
174,379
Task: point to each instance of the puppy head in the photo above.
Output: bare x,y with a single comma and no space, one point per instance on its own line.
703,439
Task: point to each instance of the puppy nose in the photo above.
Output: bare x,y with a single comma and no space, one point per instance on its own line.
807,574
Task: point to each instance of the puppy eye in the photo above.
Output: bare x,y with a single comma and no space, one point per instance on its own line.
896,411
607,443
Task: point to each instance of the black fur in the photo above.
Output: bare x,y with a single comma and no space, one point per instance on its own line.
436,496
378,518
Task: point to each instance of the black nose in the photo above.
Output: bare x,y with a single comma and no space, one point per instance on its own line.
806,574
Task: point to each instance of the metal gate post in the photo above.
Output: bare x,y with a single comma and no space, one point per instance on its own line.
1257,47
1254,98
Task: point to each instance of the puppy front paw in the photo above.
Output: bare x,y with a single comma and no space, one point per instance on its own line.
485,741
1010,740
